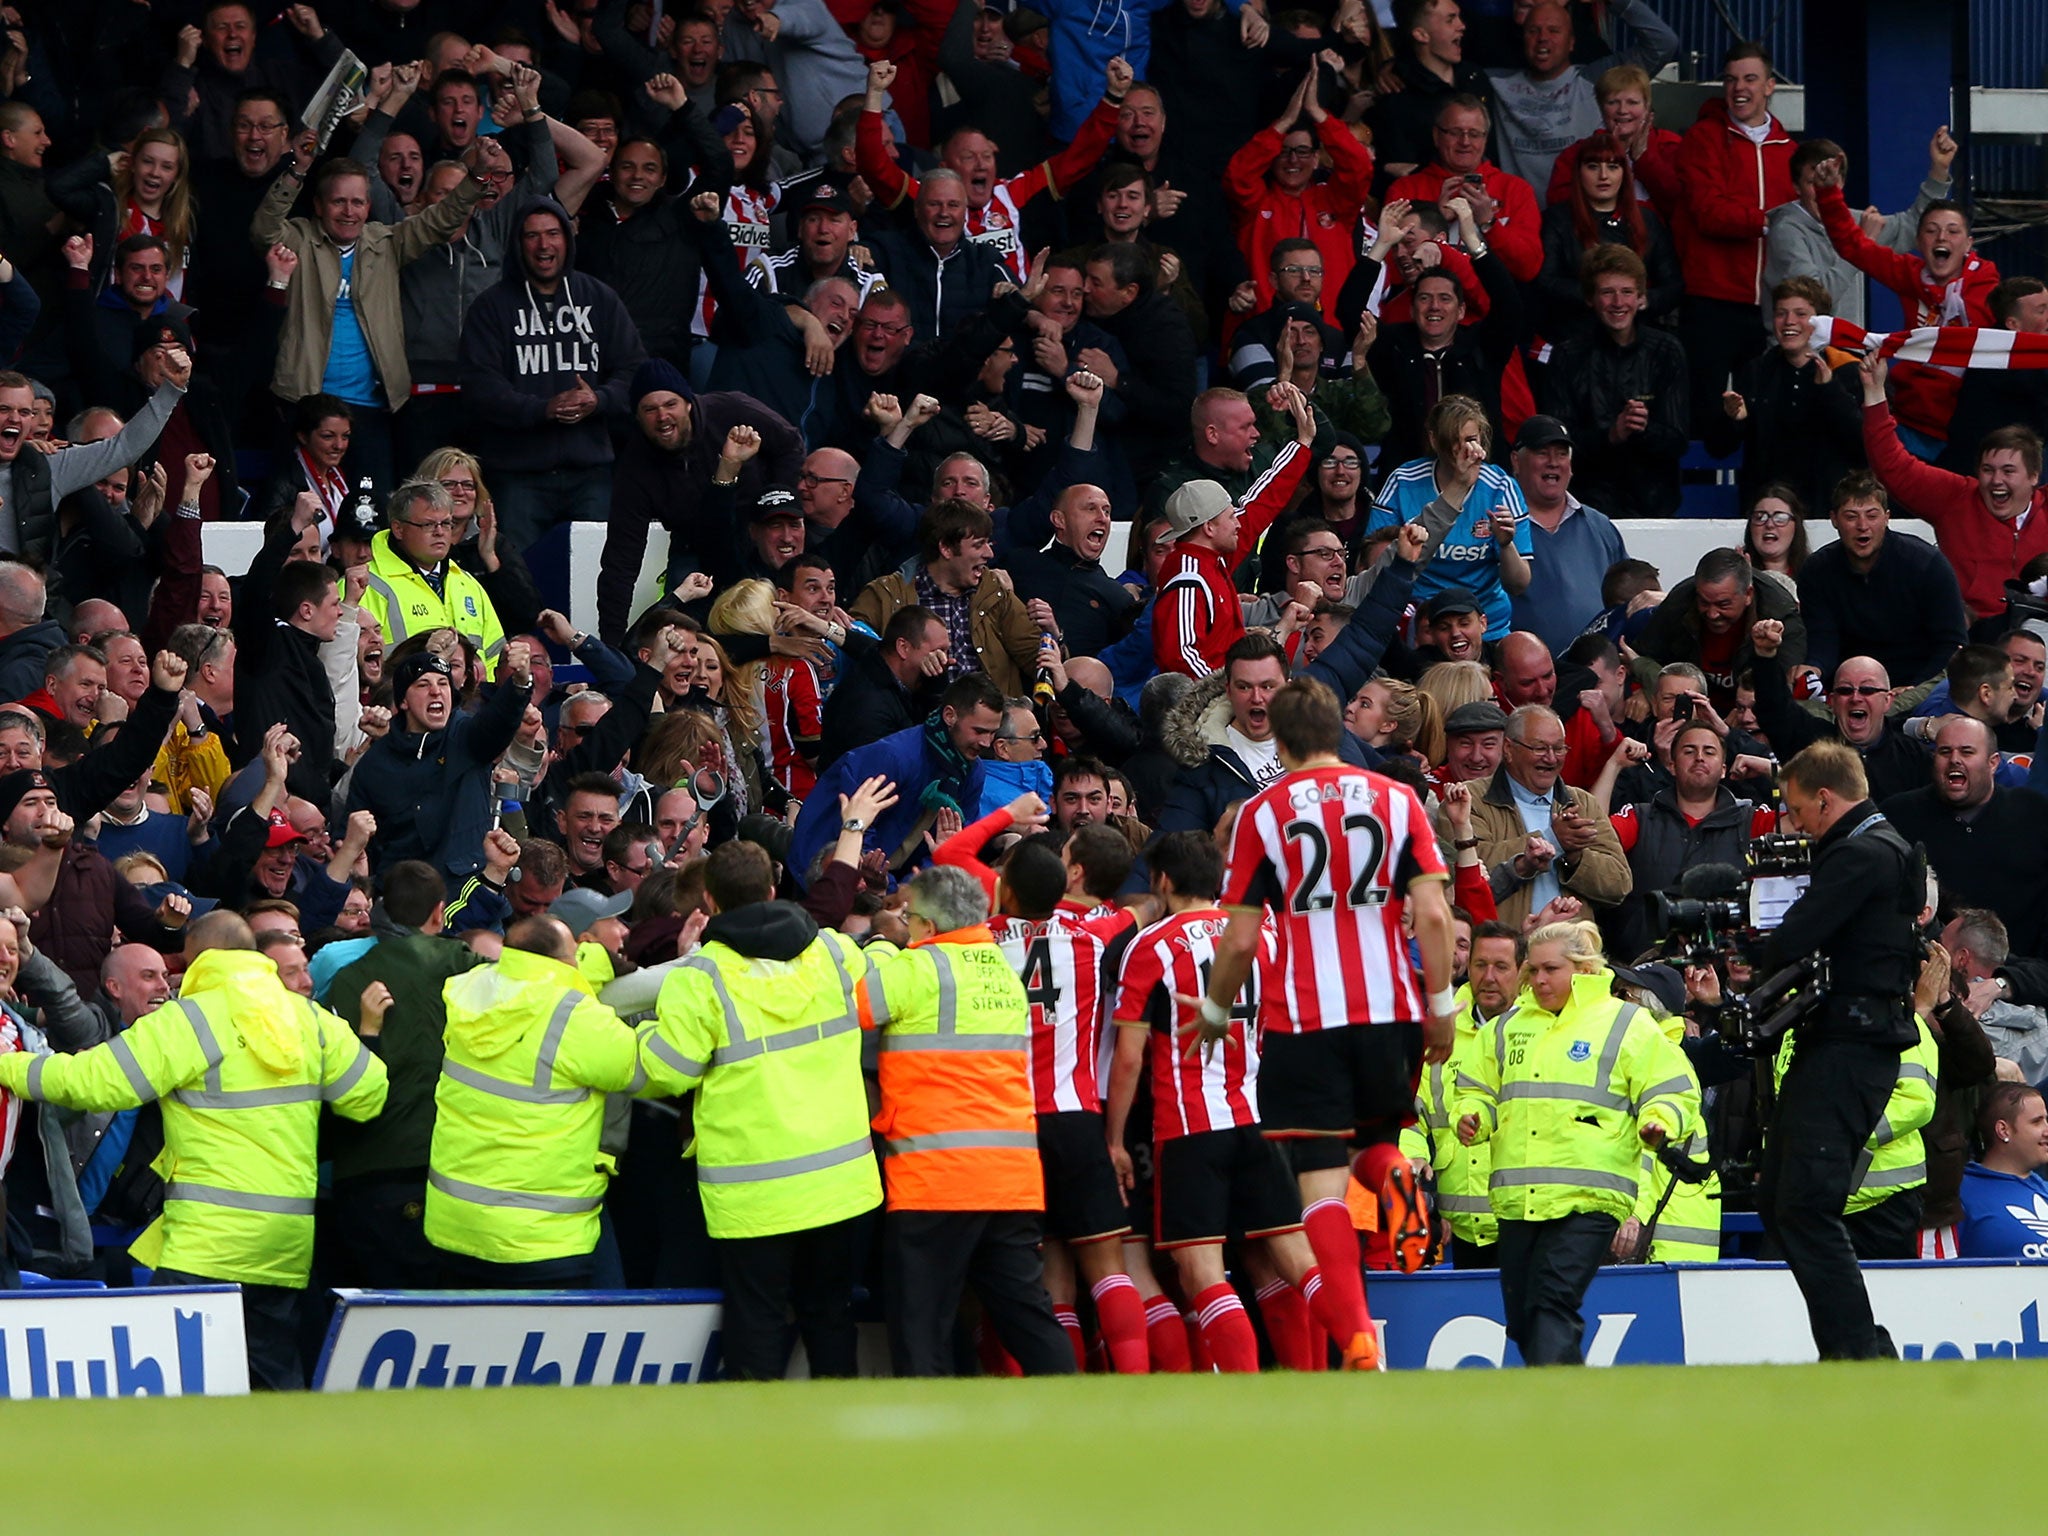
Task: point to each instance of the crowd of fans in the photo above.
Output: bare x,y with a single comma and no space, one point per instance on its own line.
1375,324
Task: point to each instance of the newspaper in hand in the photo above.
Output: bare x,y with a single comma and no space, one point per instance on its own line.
339,94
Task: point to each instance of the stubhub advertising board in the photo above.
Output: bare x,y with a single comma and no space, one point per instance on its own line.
172,1341
380,1340
1722,1314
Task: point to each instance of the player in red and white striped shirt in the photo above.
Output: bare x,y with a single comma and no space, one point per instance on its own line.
1215,1175
1336,854
1060,963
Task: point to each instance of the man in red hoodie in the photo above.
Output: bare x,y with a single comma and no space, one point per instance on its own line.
1945,282
1274,195
1504,205
1988,527
1735,166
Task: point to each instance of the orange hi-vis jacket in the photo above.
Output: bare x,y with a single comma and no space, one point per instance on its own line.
958,1124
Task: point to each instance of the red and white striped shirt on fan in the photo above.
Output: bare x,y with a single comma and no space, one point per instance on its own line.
1059,961
10,1105
793,702
1171,957
1331,852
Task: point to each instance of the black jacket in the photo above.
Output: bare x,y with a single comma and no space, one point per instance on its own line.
866,705
1859,911
650,485
1588,383
1158,386
1906,612
1673,634
1404,120
1894,763
1561,311
1996,857
279,676
1800,431
1471,364
1092,609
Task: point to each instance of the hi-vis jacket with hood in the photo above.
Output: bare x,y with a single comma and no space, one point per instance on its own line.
761,1022
516,1174
241,1066
522,347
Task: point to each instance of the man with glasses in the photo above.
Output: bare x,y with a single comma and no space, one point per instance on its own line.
1275,196
1539,837
413,585
1503,207
1858,701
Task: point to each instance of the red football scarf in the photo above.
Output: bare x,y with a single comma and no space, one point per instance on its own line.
1938,346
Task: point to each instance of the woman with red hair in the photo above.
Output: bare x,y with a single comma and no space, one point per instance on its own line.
1601,209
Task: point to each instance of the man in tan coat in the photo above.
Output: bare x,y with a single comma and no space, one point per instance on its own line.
1539,838
988,629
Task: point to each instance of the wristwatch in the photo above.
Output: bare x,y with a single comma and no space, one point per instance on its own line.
1462,843
853,824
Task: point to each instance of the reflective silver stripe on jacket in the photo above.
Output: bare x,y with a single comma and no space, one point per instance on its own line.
1464,1205
521,1093
742,1047
1572,1092
248,1098
124,1053
34,1087
512,1199
551,1042
784,1167
208,1046
238,1199
1581,1178
1019,1041
350,1076
1670,1085
669,1056
954,1141
1706,1237
949,989
394,609
1896,1178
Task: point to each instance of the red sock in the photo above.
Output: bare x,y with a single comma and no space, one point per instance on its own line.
1121,1316
995,1360
1166,1337
1198,1346
1226,1330
1335,1241
1070,1320
1287,1325
1341,1322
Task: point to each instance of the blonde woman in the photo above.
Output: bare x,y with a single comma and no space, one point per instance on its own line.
1570,1086
462,477
1472,511
145,189
1454,683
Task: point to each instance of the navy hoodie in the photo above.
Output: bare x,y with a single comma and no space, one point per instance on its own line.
521,348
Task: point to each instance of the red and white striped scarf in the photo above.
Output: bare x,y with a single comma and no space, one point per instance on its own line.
1950,347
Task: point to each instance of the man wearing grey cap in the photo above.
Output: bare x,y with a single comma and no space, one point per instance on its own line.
598,923
1571,545
1473,738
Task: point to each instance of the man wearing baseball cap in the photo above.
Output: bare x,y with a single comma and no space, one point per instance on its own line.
826,229
598,922
1572,544
1197,616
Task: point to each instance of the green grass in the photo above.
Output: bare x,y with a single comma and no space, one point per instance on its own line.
1895,1448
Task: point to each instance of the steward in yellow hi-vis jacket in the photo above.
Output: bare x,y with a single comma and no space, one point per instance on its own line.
1572,1085
761,1023
1461,1172
241,1067
516,1176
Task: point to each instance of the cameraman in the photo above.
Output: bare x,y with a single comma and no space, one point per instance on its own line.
1859,912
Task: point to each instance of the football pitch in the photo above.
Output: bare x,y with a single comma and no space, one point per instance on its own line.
1664,1450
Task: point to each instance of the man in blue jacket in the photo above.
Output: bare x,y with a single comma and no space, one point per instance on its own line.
547,358
428,781
930,765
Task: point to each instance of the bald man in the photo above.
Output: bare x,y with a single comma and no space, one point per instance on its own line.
26,637
1090,611
94,615
1086,714
1984,841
